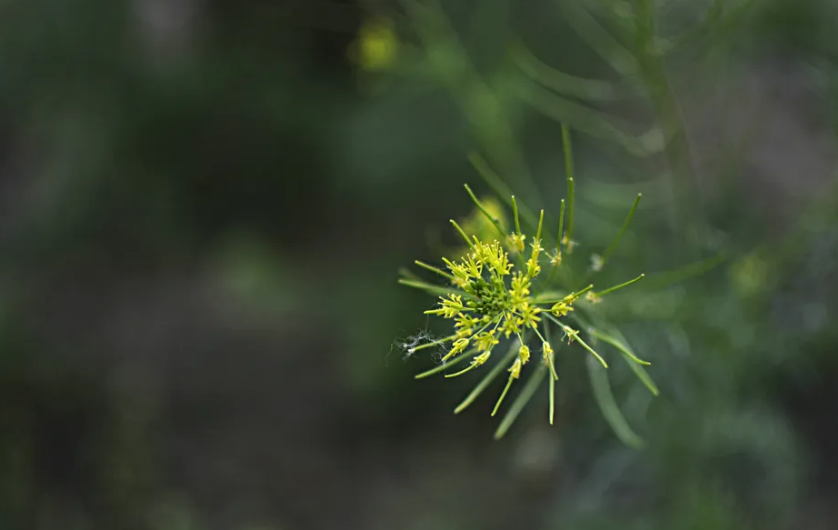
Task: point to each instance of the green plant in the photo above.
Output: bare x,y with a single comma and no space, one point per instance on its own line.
498,298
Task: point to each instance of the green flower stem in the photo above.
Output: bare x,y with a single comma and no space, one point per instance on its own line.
608,339
434,269
520,402
462,233
613,245
568,165
443,366
433,289
574,335
431,344
515,213
503,394
552,368
555,375
561,228
467,369
575,295
636,364
552,393
495,222
616,287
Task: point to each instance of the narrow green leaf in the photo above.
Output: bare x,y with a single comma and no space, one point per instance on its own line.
635,363
487,380
608,406
431,288
616,241
434,269
498,186
617,287
521,401
494,220
604,337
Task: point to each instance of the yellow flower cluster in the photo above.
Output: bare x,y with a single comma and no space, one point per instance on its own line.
492,297
495,301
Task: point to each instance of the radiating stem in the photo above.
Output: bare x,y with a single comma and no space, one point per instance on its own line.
434,269
616,287
622,231
483,209
568,165
443,366
520,402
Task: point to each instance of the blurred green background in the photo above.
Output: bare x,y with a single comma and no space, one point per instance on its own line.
204,206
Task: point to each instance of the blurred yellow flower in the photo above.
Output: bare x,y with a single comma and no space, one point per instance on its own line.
376,46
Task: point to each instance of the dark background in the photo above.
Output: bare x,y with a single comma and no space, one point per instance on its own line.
204,206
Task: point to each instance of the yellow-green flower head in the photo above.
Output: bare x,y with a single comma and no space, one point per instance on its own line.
491,298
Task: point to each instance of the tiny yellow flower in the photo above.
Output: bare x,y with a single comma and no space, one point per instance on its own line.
515,242
486,340
459,346
481,359
515,370
548,351
561,309
524,354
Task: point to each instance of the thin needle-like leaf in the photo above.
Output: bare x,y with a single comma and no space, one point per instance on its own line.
521,401
433,289
561,229
608,406
494,220
554,377
635,363
503,395
574,335
604,337
567,149
498,186
613,245
487,380
462,233
515,214
434,269
617,287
